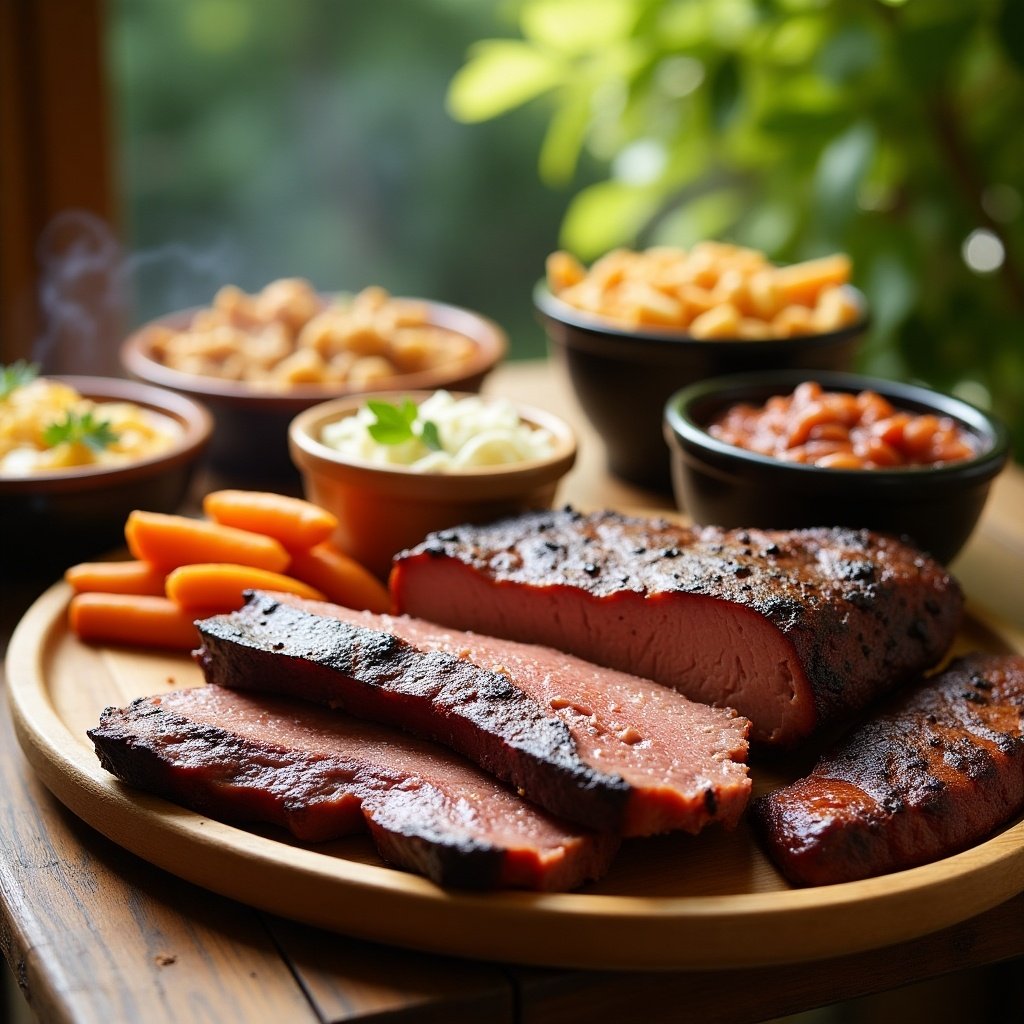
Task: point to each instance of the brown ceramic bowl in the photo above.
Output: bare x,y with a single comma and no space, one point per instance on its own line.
717,483
382,510
250,438
623,378
52,519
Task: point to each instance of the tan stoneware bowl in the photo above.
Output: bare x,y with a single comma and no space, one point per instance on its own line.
383,510
250,439
51,519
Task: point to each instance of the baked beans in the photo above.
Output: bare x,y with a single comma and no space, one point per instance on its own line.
841,430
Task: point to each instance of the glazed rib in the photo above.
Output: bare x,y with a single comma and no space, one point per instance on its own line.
939,770
254,758
794,629
602,748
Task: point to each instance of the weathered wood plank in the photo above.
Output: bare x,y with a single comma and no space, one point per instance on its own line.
349,980
734,997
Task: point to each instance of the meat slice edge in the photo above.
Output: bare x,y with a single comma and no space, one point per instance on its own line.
938,770
796,629
605,749
320,775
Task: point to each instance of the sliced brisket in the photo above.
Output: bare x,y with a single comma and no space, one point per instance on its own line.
596,746
253,758
939,770
794,629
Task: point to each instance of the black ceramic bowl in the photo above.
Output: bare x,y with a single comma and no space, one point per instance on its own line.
623,378
250,437
717,483
54,518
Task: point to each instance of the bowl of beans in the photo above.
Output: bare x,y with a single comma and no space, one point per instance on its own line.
637,325
256,360
788,450
395,466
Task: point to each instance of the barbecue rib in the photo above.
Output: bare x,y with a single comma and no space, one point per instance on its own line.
794,629
253,758
598,747
938,770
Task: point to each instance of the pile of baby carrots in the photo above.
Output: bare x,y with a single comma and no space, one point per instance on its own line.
185,569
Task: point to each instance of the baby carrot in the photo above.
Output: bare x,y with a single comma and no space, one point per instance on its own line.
341,578
297,524
131,577
168,541
139,620
220,587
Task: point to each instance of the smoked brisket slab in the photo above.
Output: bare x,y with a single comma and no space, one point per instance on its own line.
599,747
794,629
939,770
321,775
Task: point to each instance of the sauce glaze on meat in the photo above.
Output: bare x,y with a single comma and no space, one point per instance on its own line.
938,770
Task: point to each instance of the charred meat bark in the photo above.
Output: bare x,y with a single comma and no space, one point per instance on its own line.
939,770
795,629
598,747
254,758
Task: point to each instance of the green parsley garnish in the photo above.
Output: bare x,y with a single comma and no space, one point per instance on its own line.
81,428
17,375
394,424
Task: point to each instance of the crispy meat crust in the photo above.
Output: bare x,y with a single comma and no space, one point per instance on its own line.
254,758
853,613
938,770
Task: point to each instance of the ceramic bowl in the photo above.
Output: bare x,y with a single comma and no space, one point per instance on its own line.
250,439
385,509
717,483
62,516
622,378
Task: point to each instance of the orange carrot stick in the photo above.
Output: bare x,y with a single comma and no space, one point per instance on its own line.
297,524
168,541
132,577
215,585
139,620
341,578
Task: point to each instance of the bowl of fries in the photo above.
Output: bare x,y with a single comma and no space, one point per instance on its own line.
257,360
636,326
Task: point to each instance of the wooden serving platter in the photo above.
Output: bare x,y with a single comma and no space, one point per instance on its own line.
682,902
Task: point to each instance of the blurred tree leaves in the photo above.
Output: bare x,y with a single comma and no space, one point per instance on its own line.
261,139
886,129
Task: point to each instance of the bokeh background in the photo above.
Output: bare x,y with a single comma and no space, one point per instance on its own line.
444,147
258,139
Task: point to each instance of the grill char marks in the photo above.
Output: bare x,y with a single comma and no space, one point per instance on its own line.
938,770
795,629
595,746
253,758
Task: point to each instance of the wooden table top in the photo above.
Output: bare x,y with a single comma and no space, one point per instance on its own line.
94,934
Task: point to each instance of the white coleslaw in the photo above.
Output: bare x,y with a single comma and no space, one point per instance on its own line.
472,432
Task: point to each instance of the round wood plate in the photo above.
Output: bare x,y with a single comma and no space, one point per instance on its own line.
669,902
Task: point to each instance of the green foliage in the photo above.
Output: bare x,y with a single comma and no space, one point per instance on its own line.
396,424
16,375
885,129
80,428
